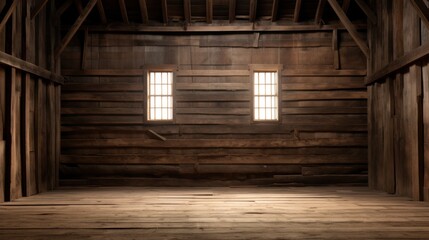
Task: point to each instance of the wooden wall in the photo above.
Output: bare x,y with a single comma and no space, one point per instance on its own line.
320,139
29,105
398,104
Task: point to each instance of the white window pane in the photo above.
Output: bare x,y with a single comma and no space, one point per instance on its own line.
268,115
268,78
262,90
265,96
256,102
262,102
158,90
261,78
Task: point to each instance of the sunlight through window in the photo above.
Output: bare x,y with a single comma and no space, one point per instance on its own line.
265,100
160,96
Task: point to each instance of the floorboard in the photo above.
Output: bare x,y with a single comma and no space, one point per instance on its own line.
214,213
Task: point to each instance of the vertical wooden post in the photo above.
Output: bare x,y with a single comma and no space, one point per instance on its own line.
2,169
426,130
335,48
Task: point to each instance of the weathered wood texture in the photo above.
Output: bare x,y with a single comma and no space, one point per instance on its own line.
323,110
24,106
398,113
214,213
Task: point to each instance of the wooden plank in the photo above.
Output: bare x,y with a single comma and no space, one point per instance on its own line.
319,11
321,72
84,49
323,95
156,135
297,11
2,169
274,10
231,13
124,13
50,132
212,86
63,7
101,11
103,72
398,64
346,5
367,10
38,8
422,11
79,21
9,60
426,131
108,87
187,10
202,73
253,10
209,11
79,7
336,50
8,14
164,11
350,27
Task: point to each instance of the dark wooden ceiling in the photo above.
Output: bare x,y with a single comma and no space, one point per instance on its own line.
207,12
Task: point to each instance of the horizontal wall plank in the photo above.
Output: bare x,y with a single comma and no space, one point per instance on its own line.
322,72
111,97
226,96
323,86
323,95
212,86
321,110
103,87
212,73
214,111
102,111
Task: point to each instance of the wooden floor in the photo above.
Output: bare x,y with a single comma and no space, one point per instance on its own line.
214,213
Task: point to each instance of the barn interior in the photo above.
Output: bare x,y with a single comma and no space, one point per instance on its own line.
214,119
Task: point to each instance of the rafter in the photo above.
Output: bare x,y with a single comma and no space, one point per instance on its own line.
422,10
346,5
367,10
124,13
164,11
232,5
187,10
38,8
209,11
101,12
253,8
9,13
297,10
349,26
79,6
319,11
65,41
274,10
64,7
143,11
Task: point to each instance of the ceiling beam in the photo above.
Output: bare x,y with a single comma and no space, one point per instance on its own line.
143,11
124,13
351,29
422,11
319,11
65,41
252,11
346,5
209,11
79,6
187,10
367,10
274,10
63,7
297,11
232,6
3,20
164,11
38,8
101,12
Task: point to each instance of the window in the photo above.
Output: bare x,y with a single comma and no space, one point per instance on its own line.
160,96
265,102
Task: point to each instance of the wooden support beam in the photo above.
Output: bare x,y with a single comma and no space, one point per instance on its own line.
398,64
143,11
422,11
232,6
297,11
187,10
9,12
155,134
367,10
209,11
346,5
124,13
84,49
65,41
38,8
349,26
164,11
11,61
101,12
319,11
79,6
335,48
64,7
274,10
252,11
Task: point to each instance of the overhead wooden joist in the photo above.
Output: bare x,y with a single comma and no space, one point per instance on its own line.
11,61
349,26
143,11
65,41
319,11
164,11
422,11
209,11
346,5
79,6
232,6
297,11
274,10
367,10
63,7
101,12
252,11
187,10
3,19
124,13
38,8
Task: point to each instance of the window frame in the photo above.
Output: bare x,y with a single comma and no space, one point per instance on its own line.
266,68
146,107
